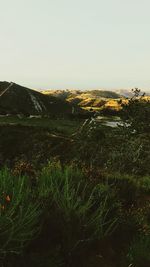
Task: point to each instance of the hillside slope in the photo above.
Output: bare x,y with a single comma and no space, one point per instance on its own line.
86,98
16,99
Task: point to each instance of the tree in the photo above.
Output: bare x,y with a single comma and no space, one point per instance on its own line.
136,113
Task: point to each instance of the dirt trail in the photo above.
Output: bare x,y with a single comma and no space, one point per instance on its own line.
10,85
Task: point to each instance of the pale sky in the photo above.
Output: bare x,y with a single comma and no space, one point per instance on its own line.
75,43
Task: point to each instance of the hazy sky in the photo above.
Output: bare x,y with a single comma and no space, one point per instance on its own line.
75,43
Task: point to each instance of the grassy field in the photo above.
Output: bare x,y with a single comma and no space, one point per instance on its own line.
62,126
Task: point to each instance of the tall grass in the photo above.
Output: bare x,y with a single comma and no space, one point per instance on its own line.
75,212
19,213
82,213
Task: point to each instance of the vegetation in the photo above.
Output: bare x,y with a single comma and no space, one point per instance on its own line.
57,126
72,218
19,213
76,192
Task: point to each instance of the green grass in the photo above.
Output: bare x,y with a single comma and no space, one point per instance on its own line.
61,202
139,252
75,215
78,202
19,213
64,126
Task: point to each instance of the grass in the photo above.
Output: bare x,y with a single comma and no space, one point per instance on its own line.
64,126
73,213
139,252
76,217
84,210
19,213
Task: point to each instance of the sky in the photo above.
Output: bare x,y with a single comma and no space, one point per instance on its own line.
82,44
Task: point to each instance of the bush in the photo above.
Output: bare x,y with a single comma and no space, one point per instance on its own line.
136,113
130,154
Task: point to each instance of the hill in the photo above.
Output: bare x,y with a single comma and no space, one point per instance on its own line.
16,99
85,93
86,98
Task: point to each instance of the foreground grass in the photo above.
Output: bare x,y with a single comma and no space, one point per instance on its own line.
60,217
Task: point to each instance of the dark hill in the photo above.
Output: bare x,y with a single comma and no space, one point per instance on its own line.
16,99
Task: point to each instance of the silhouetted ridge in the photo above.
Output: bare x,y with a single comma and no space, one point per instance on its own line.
16,99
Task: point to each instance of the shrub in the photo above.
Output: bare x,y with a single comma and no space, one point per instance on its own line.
136,113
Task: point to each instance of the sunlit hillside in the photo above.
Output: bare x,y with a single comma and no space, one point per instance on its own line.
95,99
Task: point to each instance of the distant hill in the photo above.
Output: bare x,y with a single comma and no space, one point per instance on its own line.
16,99
92,93
94,98
85,98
